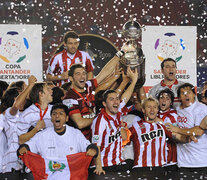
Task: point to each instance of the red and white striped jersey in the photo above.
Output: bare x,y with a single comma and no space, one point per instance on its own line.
149,141
154,91
62,62
106,133
170,117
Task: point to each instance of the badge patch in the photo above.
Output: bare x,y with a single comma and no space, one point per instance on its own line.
95,138
56,166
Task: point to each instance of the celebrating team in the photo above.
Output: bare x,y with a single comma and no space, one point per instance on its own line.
166,131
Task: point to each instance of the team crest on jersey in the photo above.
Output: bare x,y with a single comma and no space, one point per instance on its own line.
151,135
56,166
77,60
95,138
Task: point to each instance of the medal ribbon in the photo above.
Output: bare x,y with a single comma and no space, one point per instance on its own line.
87,102
41,115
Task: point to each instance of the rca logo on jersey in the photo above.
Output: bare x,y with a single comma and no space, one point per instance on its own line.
114,137
150,136
56,166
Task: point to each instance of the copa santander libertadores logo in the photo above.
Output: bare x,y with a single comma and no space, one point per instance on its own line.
169,46
13,47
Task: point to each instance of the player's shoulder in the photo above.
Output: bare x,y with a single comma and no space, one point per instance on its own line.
156,86
46,131
84,53
29,111
59,54
180,82
198,106
72,131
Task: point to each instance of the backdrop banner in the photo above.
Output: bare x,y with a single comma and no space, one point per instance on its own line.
20,52
177,42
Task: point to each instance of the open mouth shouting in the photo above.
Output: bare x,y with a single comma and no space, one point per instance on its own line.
57,124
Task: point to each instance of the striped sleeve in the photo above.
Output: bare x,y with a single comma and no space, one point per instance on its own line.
53,65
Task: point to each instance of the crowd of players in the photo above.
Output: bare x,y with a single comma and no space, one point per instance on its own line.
113,120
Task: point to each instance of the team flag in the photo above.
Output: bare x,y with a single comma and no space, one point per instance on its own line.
73,167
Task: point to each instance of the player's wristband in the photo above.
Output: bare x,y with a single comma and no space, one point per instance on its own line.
120,54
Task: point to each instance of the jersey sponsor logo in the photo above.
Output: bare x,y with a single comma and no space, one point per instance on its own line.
182,119
92,115
56,166
114,137
95,138
70,102
152,135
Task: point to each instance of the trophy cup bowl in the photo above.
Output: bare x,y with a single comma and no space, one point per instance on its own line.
133,56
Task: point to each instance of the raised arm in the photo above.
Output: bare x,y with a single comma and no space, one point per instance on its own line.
110,81
22,96
52,77
107,69
133,77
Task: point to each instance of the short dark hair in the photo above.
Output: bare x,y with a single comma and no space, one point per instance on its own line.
184,86
70,34
73,68
18,84
8,98
34,94
57,94
205,94
169,92
3,86
66,86
106,93
98,100
59,106
165,60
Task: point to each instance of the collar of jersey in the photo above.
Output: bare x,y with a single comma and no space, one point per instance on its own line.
163,84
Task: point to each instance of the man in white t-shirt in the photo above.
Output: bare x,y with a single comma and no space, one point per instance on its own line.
191,156
60,140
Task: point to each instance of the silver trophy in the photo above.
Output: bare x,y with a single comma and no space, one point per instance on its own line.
133,56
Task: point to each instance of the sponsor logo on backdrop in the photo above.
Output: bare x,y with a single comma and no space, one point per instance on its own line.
169,46
13,47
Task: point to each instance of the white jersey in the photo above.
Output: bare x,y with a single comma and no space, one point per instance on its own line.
3,141
154,91
10,159
30,117
51,145
149,141
192,154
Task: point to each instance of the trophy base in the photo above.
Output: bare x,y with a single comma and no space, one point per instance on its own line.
141,73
